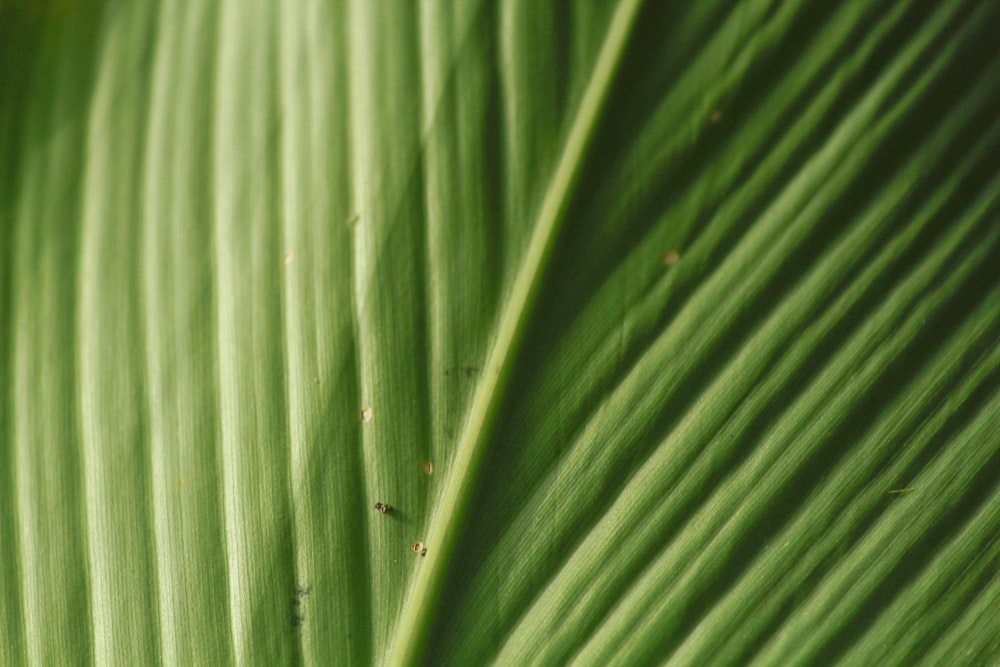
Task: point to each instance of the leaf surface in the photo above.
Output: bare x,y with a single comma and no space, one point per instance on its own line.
668,330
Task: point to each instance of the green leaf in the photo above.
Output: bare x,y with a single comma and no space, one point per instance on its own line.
668,331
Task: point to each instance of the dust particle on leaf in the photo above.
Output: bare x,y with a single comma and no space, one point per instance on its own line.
366,415
288,257
670,258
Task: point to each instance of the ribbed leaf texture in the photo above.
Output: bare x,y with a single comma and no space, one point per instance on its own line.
667,330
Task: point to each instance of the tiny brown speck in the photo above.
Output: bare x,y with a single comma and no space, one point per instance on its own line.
423,552
670,258
353,220
427,468
366,414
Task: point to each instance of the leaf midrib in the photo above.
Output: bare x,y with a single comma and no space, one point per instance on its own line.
422,601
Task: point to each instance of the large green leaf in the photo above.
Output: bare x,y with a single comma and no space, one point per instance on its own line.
669,330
